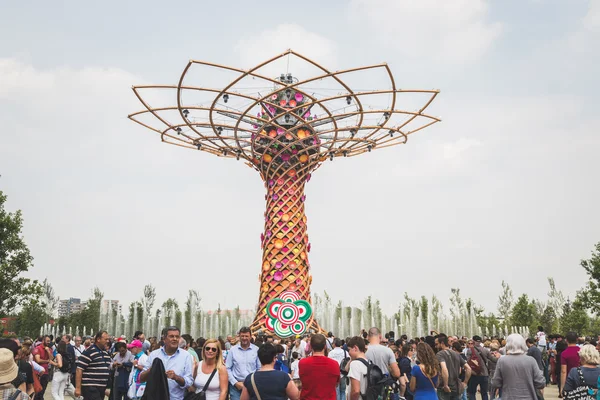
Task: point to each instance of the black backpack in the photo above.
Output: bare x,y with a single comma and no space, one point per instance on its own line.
67,362
344,364
379,386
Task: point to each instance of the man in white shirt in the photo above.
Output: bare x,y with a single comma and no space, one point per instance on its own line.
540,337
339,354
357,371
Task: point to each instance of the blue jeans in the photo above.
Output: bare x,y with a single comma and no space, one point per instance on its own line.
482,382
340,389
234,394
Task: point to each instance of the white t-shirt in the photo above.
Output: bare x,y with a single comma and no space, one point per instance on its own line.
295,369
358,371
541,337
338,354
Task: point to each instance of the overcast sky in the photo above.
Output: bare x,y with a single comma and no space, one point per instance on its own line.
505,188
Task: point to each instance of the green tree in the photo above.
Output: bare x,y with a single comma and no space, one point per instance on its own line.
556,300
590,296
549,320
148,299
575,317
505,303
523,312
49,298
31,318
424,304
15,259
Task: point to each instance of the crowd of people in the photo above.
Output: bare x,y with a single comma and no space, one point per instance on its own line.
313,366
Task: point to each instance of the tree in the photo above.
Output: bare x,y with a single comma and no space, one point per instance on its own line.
505,302
523,313
192,307
148,299
549,320
424,304
31,318
575,317
556,300
15,259
49,298
170,308
436,310
590,296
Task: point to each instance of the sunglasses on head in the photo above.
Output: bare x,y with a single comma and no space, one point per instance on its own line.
213,349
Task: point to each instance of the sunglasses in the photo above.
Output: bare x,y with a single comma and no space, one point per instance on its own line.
213,349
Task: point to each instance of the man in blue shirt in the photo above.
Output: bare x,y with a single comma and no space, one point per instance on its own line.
177,362
241,362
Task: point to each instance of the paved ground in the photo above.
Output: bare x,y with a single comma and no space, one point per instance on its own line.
551,393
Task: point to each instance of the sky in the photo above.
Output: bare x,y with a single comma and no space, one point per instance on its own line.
504,188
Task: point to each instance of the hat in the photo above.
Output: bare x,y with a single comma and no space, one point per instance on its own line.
477,338
135,343
8,367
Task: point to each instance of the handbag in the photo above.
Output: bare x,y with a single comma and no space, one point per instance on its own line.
37,386
254,387
581,392
201,395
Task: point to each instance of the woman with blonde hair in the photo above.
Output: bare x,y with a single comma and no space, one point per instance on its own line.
589,371
518,375
424,379
210,374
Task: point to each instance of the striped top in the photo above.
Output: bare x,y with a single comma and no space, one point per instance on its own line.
95,364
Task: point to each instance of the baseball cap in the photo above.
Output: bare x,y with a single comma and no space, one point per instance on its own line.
135,343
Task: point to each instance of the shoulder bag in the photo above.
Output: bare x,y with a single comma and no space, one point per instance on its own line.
254,386
37,385
201,395
581,392
15,395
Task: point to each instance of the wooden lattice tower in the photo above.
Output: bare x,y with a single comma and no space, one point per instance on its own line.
285,135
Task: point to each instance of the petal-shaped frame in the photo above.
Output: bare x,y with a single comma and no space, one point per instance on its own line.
234,139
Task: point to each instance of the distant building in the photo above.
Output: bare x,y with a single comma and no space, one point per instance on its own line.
70,306
111,304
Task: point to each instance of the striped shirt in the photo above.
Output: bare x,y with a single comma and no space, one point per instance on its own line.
95,364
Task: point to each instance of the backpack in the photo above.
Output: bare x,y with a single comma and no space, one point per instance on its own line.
344,364
67,363
475,361
378,384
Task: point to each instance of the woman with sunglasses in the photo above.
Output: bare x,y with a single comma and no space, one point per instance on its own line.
211,365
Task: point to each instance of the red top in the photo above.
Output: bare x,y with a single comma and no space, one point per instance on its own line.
319,376
570,357
41,351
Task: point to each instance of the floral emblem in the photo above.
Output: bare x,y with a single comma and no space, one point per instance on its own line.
287,314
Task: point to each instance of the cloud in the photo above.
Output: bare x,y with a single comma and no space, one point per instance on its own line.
268,43
591,21
456,32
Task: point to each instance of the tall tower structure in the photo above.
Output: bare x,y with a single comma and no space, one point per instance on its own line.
285,127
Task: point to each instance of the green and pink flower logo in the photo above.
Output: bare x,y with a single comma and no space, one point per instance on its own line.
287,315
